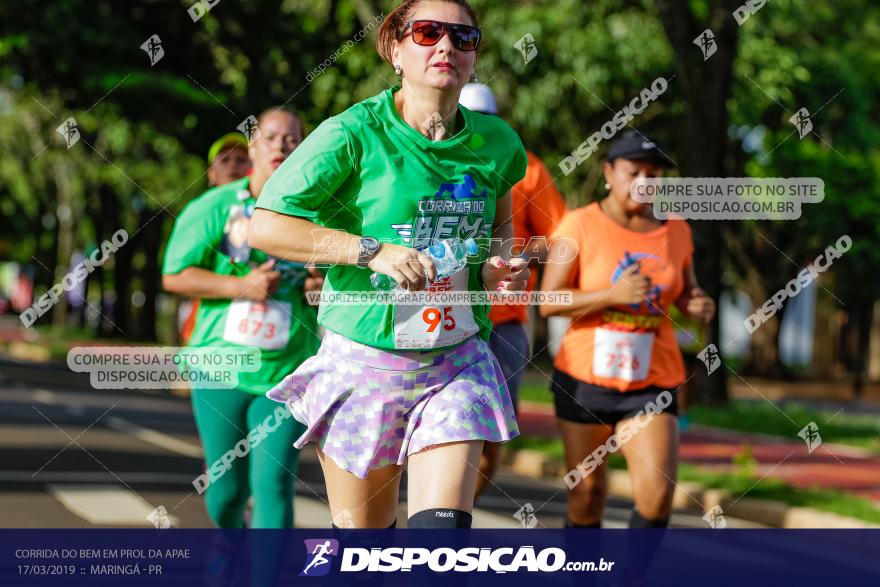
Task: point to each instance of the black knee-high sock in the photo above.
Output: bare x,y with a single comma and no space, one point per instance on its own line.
440,518
367,538
637,521
642,546
570,524
575,542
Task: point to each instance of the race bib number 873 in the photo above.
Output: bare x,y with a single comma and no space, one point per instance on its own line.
265,325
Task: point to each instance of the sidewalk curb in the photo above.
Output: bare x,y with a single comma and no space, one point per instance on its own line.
536,465
28,351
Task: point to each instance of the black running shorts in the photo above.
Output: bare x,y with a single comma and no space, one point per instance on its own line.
584,403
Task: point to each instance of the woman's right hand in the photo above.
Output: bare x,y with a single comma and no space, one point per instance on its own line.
260,283
405,265
630,288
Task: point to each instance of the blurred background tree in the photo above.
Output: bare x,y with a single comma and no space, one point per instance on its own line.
145,129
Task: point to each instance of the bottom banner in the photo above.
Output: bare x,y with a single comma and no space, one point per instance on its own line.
435,557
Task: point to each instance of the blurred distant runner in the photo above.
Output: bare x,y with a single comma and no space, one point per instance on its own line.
537,210
247,300
228,160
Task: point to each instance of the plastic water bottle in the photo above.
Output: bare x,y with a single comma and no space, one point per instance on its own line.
449,256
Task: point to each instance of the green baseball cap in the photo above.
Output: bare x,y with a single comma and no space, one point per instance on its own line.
233,139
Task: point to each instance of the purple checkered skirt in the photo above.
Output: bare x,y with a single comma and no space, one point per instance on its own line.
369,408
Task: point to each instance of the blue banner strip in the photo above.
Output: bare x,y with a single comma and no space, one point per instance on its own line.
436,557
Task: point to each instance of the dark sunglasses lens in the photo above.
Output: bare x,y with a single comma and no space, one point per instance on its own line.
464,38
427,33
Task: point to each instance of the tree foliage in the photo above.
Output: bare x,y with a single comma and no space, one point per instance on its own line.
145,128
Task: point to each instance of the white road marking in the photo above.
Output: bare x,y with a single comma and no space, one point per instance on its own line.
147,435
155,437
45,397
105,504
93,477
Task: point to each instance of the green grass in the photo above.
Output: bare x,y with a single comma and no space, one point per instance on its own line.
58,340
550,447
758,416
533,390
740,483
65,332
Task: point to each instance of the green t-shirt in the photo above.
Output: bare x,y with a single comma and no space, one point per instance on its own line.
210,233
369,173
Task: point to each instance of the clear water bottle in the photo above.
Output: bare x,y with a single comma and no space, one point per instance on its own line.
449,256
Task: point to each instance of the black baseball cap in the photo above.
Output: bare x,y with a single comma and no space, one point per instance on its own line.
637,146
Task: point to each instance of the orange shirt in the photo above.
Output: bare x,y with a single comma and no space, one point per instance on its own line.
537,210
190,323
625,347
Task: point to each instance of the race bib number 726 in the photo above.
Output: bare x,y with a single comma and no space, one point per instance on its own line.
622,355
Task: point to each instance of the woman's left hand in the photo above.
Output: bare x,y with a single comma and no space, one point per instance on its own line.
700,306
500,276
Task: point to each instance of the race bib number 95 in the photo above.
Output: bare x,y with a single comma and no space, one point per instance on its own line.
431,326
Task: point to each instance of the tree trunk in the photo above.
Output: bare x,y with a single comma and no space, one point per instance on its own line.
44,192
121,287
64,214
110,223
705,88
96,279
825,347
151,241
874,345
863,316
366,12
118,317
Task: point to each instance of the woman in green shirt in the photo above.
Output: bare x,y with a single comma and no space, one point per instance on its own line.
247,300
370,188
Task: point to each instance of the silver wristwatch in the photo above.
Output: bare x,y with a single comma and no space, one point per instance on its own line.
368,247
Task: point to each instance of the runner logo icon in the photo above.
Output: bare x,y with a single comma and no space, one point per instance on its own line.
318,553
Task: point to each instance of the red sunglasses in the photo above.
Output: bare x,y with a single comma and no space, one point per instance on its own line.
429,32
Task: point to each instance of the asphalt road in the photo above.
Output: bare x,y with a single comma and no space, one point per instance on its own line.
73,457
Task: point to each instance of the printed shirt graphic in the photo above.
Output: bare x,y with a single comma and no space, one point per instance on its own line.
367,172
632,346
538,208
205,233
